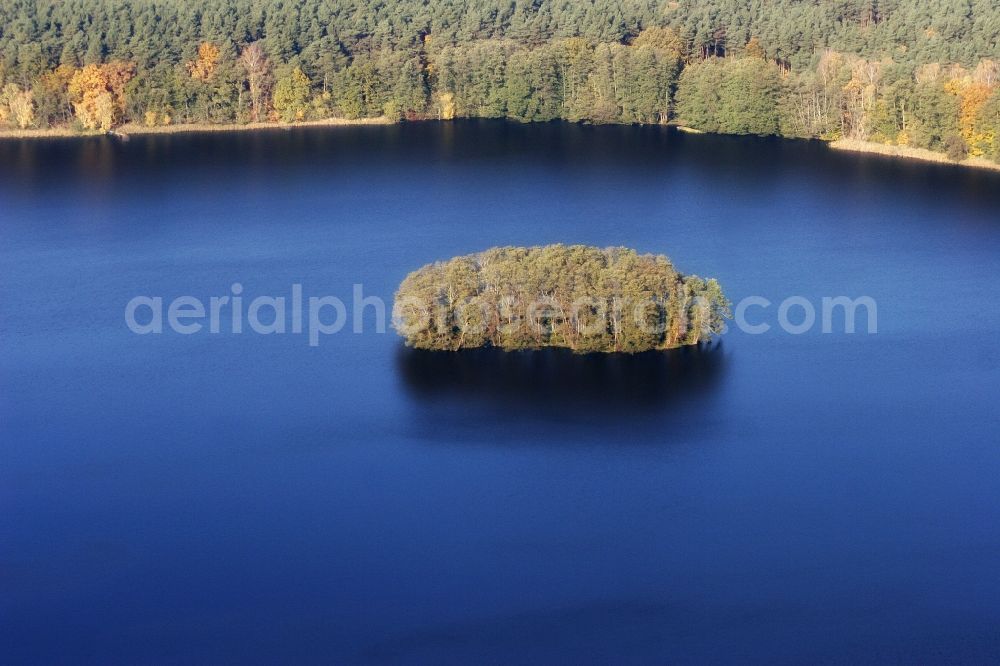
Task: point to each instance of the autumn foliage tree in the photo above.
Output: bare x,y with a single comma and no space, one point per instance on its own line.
973,96
17,106
98,94
203,67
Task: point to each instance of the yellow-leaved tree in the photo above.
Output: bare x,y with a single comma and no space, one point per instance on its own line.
972,97
446,105
203,67
98,94
17,106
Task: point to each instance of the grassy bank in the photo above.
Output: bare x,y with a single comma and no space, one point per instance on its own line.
47,133
131,129
909,152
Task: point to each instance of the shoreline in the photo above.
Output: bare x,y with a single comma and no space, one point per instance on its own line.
909,153
137,129
129,129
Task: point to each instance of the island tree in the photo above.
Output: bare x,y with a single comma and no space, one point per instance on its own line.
583,298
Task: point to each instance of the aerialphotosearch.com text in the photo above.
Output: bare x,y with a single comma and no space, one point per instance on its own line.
319,316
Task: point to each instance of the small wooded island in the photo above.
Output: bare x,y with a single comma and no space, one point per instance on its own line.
583,298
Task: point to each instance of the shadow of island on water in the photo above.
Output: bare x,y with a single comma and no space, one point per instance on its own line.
553,378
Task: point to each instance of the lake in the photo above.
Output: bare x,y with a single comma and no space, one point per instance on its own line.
238,497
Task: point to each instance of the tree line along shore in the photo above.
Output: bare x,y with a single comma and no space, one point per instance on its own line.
912,75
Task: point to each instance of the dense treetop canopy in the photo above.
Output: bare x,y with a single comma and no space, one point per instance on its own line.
45,33
583,298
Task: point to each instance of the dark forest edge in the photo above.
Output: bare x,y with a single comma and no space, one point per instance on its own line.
909,74
569,296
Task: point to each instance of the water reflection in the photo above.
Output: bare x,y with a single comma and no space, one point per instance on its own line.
559,378
342,152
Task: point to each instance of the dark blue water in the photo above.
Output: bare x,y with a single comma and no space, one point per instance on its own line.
214,498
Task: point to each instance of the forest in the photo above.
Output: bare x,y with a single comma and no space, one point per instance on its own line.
920,73
573,296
